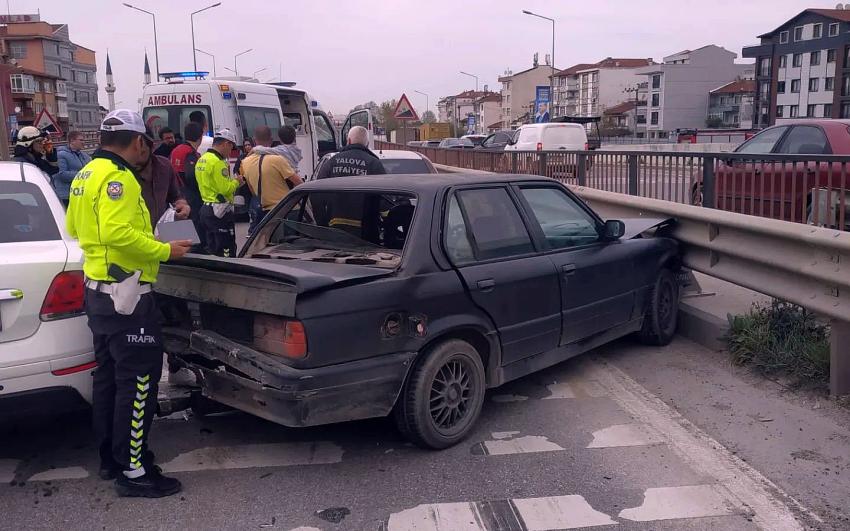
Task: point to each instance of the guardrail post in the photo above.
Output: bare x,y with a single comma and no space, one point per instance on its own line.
633,174
581,168
839,358
708,182
541,168
513,161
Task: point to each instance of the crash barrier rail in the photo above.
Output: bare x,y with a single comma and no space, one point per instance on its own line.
704,138
797,188
805,265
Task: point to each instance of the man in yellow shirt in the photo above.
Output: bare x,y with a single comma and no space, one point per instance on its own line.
108,215
278,177
217,186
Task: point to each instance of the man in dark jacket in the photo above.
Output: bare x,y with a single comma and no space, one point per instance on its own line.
353,159
183,159
33,147
167,142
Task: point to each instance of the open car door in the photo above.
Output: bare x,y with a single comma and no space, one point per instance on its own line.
363,118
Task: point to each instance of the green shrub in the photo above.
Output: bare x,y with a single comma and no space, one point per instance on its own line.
781,338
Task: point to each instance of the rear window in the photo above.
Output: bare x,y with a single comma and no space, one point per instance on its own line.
253,117
565,136
174,117
26,216
405,166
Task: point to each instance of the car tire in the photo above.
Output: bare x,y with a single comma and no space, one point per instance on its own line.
442,398
662,311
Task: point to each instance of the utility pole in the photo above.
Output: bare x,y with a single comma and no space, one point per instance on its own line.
551,79
192,23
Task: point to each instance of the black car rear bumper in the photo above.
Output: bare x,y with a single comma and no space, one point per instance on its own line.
261,384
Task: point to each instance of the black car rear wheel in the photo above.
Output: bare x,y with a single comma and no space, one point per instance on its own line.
662,311
443,396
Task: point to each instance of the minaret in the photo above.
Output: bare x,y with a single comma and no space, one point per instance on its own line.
147,70
110,86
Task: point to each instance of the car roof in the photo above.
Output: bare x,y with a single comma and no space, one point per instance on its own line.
19,171
398,154
427,182
550,124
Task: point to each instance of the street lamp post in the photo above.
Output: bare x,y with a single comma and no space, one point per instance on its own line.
474,94
551,79
155,45
192,22
213,60
427,107
235,68
254,75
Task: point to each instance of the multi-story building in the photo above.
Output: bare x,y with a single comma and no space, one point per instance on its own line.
458,109
520,88
731,106
28,92
589,89
566,90
488,112
47,49
803,68
678,88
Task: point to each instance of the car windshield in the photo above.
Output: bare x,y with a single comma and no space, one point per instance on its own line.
26,216
405,166
348,227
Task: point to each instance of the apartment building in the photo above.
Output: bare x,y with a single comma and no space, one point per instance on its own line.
27,92
731,106
678,89
488,112
803,68
45,52
518,89
458,109
590,89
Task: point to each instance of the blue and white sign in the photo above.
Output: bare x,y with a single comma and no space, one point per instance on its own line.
541,104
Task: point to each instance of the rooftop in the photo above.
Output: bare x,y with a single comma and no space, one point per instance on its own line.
622,108
736,87
608,62
842,15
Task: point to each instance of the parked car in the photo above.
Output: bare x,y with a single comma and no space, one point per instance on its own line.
395,161
550,137
475,139
497,140
777,189
456,143
46,352
433,143
361,297
416,143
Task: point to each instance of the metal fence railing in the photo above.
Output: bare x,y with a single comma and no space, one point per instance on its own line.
797,188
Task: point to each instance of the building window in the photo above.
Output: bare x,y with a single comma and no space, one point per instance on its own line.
817,31
61,89
18,50
845,85
779,109
22,84
656,99
829,83
830,56
37,85
811,111
780,87
827,110
845,110
48,87
783,37
814,58
833,29
798,33
794,111
656,81
814,84
783,61
764,67
798,60
795,86
653,118
764,90
847,57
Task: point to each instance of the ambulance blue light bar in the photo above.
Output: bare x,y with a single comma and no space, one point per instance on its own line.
171,75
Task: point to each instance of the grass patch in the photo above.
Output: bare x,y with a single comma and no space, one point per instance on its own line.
781,338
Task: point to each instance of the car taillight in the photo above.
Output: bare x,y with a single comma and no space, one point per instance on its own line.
75,369
64,297
540,146
282,337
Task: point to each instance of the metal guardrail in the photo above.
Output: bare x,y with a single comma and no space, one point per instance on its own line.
797,188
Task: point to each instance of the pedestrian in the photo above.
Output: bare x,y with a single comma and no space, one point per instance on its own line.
107,215
247,147
34,147
183,159
286,148
354,159
217,188
269,176
168,141
200,118
71,159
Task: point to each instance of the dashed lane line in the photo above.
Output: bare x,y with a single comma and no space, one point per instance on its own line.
509,444
255,456
669,503
621,435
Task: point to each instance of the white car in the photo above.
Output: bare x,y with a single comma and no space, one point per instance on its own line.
550,137
395,161
46,350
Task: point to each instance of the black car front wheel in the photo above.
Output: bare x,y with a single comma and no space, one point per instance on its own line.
662,310
443,396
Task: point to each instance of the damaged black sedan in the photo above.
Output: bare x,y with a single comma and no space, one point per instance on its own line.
362,297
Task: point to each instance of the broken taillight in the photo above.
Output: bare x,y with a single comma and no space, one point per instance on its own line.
281,337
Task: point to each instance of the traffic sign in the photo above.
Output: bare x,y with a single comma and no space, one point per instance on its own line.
404,110
46,122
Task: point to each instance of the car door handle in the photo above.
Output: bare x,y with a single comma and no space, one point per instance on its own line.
486,285
10,294
568,269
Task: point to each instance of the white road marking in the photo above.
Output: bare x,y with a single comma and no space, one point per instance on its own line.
737,481
668,503
437,517
559,512
71,472
508,398
559,390
504,434
522,445
623,435
7,469
255,456
306,529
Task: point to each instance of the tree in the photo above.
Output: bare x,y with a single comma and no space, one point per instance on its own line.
714,122
428,117
387,110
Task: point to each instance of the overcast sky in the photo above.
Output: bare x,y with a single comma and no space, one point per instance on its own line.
349,52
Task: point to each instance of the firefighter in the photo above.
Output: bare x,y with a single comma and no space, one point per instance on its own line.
217,187
108,216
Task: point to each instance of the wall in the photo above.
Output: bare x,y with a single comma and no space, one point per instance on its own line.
84,56
612,84
491,112
35,55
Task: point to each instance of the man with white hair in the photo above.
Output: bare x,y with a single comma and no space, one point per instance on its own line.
354,159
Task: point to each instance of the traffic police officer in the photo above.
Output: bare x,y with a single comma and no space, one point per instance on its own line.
108,216
212,172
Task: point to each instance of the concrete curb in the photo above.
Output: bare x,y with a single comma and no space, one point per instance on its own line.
702,327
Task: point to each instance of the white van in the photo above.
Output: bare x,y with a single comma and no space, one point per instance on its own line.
241,104
550,136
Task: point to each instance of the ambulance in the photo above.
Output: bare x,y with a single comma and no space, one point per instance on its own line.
241,104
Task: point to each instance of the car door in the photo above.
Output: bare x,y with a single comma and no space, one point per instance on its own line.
363,118
597,292
325,134
799,178
740,182
487,240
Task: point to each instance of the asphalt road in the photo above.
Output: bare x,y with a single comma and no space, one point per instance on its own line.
597,442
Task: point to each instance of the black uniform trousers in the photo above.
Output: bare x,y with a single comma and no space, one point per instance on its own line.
221,232
128,350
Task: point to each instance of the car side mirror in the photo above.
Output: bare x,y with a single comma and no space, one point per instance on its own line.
614,230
